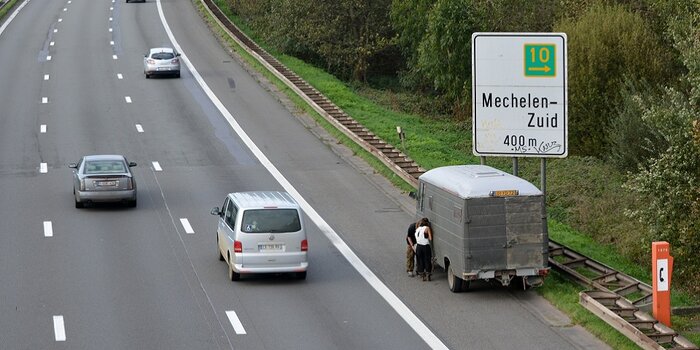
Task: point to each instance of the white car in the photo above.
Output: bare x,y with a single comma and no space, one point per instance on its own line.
161,61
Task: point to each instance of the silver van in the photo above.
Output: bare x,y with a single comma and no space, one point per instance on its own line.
261,232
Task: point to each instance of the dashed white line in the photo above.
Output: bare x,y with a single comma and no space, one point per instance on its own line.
52,43
235,322
110,19
111,8
48,58
157,167
43,168
48,229
110,30
44,100
59,328
69,1
114,57
55,30
128,99
42,129
186,225
46,77
111,43
139,128
120,76
65,9
60,20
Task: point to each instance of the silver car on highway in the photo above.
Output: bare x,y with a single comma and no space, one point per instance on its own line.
103,178
161,61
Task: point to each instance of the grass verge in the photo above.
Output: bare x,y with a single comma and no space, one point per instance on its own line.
5,9
435,142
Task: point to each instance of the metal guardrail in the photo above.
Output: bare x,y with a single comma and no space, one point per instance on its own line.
617,299
608,300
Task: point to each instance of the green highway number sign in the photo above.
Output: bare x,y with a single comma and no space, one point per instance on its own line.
540,60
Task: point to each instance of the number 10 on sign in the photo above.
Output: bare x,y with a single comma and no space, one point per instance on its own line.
540,60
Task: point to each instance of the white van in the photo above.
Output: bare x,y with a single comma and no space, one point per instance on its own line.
261,232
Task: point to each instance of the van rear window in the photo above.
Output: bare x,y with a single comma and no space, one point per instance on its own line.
270,221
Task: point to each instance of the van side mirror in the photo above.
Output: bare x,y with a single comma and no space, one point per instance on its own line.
132,164
215,211
413,195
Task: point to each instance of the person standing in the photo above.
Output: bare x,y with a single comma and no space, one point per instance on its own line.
424,254
411,249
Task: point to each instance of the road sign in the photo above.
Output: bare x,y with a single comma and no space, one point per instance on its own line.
519,95
662,268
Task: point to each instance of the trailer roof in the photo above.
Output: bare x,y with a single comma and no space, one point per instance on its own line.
470,181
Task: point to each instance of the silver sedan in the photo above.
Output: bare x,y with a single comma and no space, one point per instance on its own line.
161,61
103,178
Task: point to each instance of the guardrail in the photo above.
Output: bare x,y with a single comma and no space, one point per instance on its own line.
608,300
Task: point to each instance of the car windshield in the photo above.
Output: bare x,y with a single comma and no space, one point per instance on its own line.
163,56
270,221
104,167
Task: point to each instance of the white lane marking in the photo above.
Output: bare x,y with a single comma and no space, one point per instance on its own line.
394,301
48,229
186,225
157,167
110,30
111,8
48,58
69,1
235,322
65,9
111,43
110,19
52,43
114,57
46,77
42,129
60,20
139,128
43,168
55,30
14,14
59,328
120,76
128,99
44,100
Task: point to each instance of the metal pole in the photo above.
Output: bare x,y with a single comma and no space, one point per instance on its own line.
515,166
543,178
483,160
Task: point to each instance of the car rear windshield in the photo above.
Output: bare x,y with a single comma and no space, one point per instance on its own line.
270,221
163,56
104,167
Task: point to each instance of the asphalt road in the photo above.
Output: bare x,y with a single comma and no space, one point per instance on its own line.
71,83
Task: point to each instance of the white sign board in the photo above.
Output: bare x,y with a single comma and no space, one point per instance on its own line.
519,95
662,275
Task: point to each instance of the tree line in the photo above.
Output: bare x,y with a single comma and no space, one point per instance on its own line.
633,68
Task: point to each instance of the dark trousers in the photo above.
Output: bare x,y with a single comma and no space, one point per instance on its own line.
424,257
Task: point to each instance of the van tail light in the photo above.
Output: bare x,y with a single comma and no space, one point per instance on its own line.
237,247
304,245
543,272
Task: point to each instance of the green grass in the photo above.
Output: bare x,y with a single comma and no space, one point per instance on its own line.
434,142
5,9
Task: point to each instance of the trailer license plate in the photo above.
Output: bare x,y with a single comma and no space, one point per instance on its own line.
270,247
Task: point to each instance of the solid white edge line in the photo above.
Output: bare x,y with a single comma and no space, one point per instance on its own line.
128,99
14,14
43,168
48,229
46,77
139,128
42,128
402,310
157,167
235,322
59,328
186,225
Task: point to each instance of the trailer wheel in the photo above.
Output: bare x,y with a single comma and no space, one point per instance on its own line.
455,283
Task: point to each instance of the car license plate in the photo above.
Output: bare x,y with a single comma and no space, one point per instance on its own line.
106,183
271,247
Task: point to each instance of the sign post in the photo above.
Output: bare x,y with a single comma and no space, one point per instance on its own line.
519,95
662,265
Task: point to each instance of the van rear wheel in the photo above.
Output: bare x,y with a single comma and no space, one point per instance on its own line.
301,275
233,275
455,283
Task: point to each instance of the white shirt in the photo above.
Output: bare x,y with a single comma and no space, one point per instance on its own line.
421,236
